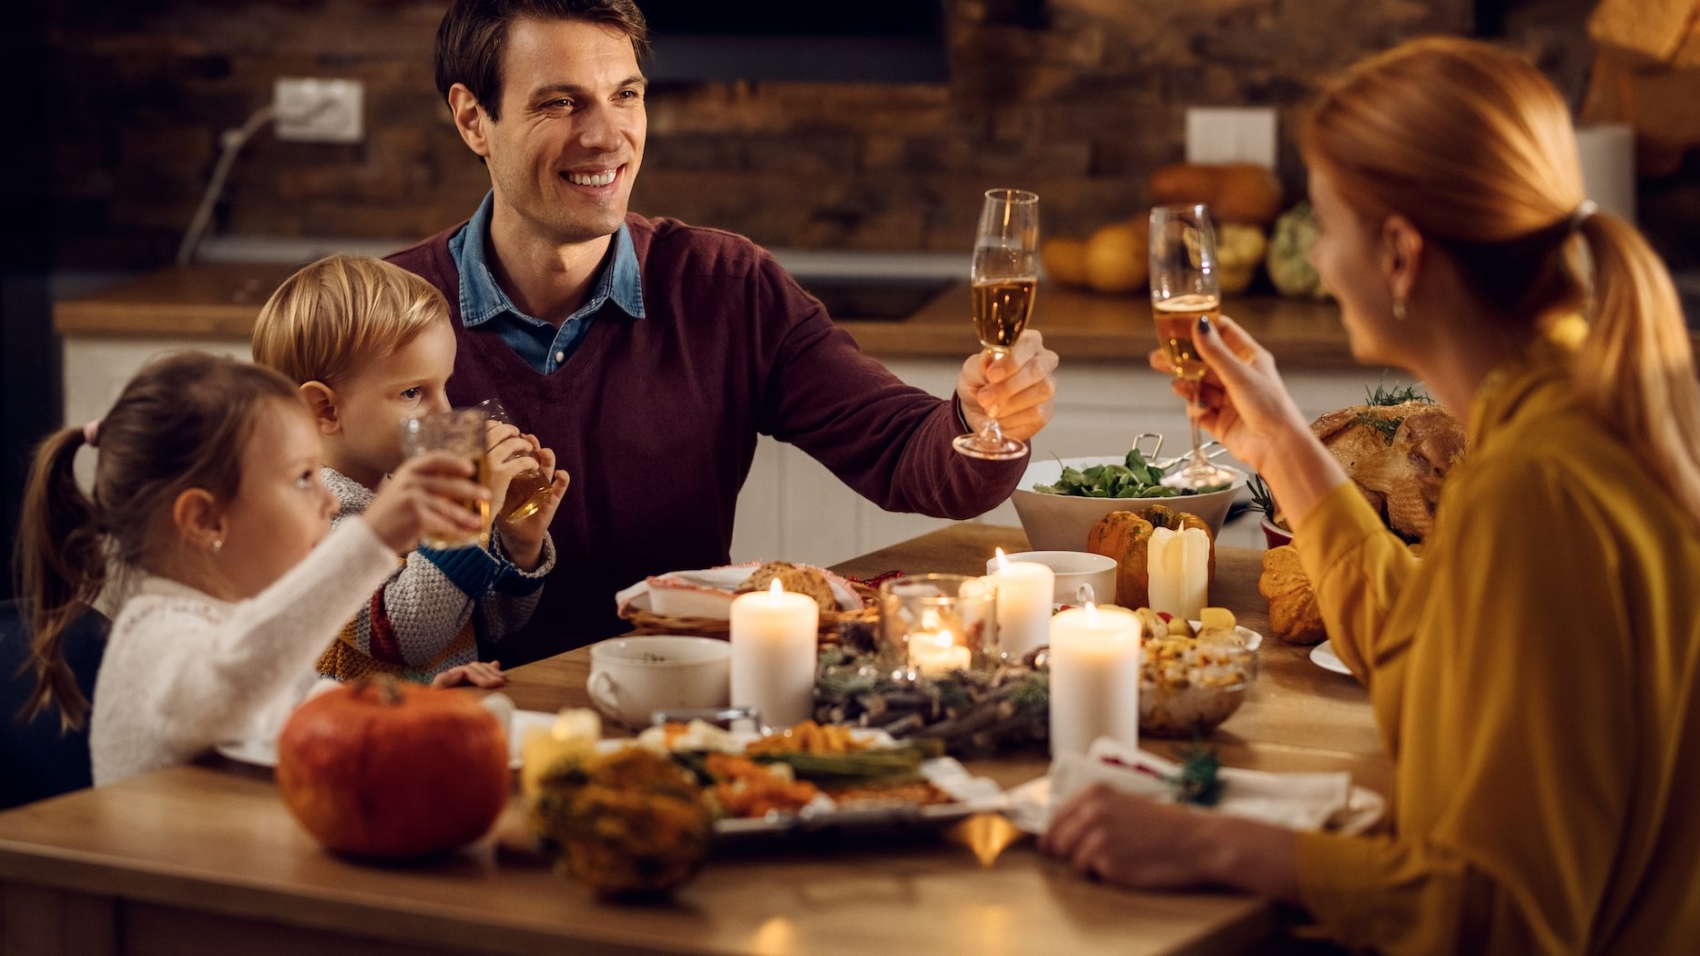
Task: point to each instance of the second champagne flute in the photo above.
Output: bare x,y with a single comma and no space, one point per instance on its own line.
1185,287
1005,280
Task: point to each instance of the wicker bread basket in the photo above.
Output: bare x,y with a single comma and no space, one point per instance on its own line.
644,621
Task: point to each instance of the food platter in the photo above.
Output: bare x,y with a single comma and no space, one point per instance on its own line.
904,801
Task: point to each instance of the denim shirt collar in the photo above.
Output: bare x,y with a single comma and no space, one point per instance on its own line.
482,299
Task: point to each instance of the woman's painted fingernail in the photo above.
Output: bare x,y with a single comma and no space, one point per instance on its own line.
1204,325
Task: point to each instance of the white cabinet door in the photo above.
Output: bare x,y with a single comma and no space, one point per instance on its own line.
793,509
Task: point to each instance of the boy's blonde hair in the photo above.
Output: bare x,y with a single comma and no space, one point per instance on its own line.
335,315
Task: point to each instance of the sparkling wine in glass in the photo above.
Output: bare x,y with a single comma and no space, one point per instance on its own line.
1185,288
1005,280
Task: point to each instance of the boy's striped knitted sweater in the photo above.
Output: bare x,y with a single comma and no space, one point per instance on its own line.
429,615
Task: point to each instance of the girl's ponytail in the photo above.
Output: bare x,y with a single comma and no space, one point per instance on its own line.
1636,369
61,561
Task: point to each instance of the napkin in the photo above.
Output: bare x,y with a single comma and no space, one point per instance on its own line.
1298,801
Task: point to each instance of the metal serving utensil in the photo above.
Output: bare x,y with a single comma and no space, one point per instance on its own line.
1211,449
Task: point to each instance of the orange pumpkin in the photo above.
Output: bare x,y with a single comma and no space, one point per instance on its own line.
1125,536
393,770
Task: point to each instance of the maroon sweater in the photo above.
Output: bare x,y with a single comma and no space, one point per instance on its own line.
656,420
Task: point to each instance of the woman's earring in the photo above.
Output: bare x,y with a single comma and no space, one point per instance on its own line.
217,545
1399,312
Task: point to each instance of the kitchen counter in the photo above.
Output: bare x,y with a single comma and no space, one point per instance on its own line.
221,300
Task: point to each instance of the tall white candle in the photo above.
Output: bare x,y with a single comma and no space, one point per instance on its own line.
1178,563
773,654
1094,659
1024,604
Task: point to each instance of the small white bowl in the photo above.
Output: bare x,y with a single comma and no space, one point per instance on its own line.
1061,522
633,677
1072,569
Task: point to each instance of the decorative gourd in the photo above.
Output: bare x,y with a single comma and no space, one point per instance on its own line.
1064,261
1293,612
1239,251
1235,192
1125,536
388,769
1118,258
1288,259
629,824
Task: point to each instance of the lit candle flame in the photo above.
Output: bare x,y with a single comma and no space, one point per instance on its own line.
1091,614
776,590
1003,561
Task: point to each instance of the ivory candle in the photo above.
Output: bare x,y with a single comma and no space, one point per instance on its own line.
773,654
936,653
1178,563
1024,605
1094,659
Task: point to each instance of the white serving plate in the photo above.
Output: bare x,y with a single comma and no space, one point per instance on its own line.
1029,808
263,753
1323,656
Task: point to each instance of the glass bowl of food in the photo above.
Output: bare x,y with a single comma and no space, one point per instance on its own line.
1188,686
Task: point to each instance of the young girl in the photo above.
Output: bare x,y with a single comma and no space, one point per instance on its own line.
207,491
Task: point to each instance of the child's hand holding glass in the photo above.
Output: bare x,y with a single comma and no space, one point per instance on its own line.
523,478
426,497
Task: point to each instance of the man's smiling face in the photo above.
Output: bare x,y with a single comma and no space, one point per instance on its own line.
567,148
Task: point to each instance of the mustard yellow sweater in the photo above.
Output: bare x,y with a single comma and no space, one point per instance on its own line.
1534,680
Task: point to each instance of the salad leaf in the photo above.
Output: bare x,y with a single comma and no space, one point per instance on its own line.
1134,478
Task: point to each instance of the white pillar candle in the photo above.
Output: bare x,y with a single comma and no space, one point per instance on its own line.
936,653
1024,604
773,654
1178,563
1094,659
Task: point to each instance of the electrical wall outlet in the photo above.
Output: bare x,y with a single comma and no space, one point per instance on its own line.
1231,135
319,111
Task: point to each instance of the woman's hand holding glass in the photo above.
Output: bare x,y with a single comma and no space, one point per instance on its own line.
1243,402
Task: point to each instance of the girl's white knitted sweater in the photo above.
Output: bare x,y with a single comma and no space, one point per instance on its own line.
184,670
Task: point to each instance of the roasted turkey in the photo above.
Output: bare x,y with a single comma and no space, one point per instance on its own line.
1398,455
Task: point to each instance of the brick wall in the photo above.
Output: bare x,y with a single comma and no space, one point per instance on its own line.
1079,110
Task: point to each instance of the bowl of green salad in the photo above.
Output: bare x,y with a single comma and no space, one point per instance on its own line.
1061,499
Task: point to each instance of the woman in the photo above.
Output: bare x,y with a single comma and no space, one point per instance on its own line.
1534,676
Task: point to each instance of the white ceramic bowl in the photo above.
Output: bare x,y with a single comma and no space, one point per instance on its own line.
1072,569
1060,522
632,677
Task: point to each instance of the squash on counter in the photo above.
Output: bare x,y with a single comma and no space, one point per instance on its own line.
1125,537
1235,192
1289,254
1239,251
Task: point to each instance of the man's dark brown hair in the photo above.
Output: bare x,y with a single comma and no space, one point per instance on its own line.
474,33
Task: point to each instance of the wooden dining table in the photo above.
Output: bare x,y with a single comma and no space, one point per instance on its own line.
206,858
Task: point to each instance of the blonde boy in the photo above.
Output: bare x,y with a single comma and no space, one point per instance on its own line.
370,344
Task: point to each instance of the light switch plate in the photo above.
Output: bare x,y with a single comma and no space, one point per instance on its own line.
318,110
1231,135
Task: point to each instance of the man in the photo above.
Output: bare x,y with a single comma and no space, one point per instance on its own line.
650,354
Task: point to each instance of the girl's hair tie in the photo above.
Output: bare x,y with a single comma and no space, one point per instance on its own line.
91,434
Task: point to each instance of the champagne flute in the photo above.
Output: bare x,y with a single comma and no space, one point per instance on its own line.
1005,280
1185,287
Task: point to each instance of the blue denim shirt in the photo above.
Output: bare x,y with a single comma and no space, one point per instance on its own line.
544,347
